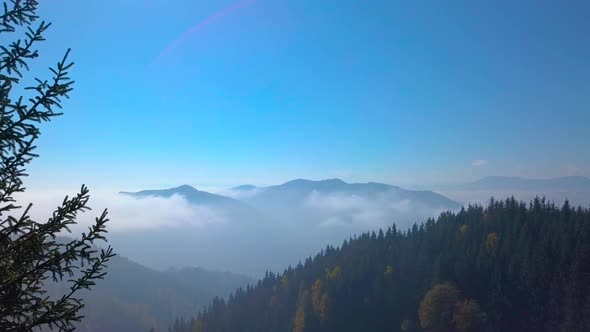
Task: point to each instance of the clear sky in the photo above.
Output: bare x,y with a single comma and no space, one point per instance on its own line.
219,93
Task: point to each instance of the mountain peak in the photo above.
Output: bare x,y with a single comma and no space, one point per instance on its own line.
192,194
184,188
306,181
335,181
244,187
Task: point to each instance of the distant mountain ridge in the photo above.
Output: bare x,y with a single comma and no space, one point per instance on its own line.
192,194
266,228
244,187
222,204
369,190
576,189
297,186
505,182
304,184
517,183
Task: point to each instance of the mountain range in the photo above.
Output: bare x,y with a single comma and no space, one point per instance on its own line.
566,183
576,189
359,206
301,187
268,228
189,193
264,228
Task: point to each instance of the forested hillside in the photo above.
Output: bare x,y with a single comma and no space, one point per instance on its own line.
511,266
136,298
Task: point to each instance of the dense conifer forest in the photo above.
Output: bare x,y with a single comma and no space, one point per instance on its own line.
509,266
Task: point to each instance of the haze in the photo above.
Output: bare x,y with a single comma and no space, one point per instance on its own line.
233,138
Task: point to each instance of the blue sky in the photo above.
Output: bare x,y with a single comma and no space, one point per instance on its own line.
218,93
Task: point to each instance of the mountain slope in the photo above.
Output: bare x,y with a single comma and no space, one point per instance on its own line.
191,194
508,267
135,298
226,208
264,228
334,201
304,187
228,239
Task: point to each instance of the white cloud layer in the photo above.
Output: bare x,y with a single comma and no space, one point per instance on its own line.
338,202
126,213
240,194
343,209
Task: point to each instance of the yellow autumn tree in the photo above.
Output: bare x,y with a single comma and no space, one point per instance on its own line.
198,327
492,243
316,295
285,281
463,229
303,304
299,323
468,316
388,271
320,301
334,273
436,308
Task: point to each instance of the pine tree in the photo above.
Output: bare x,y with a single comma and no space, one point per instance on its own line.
516,268
30,254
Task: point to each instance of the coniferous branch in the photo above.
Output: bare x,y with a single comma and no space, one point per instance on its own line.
20,13
30,253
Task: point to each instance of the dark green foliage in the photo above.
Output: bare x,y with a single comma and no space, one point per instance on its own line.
532,275
29,255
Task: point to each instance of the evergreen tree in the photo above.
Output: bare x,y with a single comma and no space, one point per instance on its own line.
30,255
513,267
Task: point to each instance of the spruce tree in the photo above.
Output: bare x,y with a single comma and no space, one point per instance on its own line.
31,255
